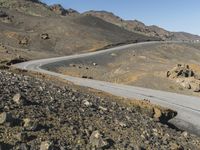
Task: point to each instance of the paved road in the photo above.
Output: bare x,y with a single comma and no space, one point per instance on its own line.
188,107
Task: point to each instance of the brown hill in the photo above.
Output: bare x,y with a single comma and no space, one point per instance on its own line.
139,27
32,25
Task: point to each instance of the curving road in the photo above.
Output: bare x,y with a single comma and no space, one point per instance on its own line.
188,107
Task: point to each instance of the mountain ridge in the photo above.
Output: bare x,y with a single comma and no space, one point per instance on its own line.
140,27
38,8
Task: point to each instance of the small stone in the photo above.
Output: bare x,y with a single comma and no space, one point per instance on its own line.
24,41
90,128
17,99
46,145
45,36
122,124
175,146
87,103
185,134
103,108
157,113
22,137
30,125
96,140
26,122
94,64
5,117
72,65
113,54
84,77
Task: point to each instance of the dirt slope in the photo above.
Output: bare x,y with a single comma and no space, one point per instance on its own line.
34,26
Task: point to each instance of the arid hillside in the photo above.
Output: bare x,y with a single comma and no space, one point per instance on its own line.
35,28
139,27
144,66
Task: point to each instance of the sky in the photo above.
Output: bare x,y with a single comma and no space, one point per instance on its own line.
173,15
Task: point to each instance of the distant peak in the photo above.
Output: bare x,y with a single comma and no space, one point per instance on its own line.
59,9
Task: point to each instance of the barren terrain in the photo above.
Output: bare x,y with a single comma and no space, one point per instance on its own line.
144,66
39,30
36,114
139,27
38,111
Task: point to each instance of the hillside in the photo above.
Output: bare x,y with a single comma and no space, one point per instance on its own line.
32,29
139,27
37,114
142,66
39,111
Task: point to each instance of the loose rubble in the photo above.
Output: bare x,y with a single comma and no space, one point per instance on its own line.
63,118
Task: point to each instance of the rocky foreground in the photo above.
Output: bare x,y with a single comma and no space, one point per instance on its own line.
40,115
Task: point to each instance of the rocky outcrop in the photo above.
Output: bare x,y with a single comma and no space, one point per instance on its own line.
185,77
58,9
181,70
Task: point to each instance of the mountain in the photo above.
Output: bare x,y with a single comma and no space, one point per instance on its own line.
32,25
139,27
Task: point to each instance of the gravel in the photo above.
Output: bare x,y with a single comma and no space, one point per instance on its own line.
37,114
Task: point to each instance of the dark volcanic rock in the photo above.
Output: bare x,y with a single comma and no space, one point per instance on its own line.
5,117
3,14
65,118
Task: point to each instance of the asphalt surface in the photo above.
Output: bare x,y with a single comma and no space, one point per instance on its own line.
187,107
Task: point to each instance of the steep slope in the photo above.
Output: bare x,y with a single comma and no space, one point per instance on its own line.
37,27
139,27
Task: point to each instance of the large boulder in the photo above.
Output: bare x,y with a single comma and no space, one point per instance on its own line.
185,77
181,70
